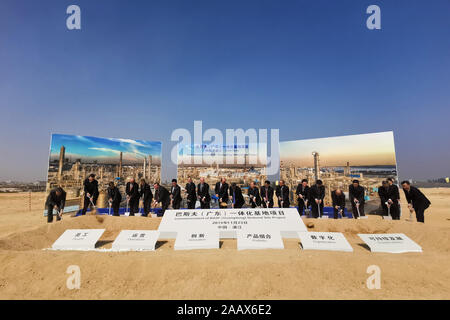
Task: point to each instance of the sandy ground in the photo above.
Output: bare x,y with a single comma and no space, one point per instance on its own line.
29,272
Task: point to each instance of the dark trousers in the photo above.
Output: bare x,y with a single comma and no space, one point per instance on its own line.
420,214
315,209
50,214
301,206
270,204
385,209
115,208
355,210
205,205
285,204
336,213
176,204
147,207
134,206
191,203
253,204
237,206
87,203
395,211
164,207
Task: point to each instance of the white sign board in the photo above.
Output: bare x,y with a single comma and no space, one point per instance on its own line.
258,239
332,241
187,240
390,242
230,221
135,240
78,239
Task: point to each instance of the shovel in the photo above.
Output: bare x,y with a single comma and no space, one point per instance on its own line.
58,213
93,205
388,217
321,216
307,209
410,213
341,212
127,212
359,215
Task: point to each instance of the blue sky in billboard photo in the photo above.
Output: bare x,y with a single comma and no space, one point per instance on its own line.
141,69
104,149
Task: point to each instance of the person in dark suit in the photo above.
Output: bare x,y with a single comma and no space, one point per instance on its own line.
145,192
90,192
356,194
267,195
253,195
175,195
383,192
191,194
162,196
56,200
316,196
133,196
114,198
416,200
221,191
282,193
302,193
394,199
203,194
236,197
338,200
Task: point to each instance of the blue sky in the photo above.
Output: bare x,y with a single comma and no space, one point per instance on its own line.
140,69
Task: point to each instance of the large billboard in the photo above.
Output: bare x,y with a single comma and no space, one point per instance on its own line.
240,163
73,158
336,161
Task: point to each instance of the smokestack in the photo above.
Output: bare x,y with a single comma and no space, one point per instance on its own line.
144,171
149,167
62,153
316,164
119,173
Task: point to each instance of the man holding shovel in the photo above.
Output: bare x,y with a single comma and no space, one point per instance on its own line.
55,201
253,195
416,200
356,193
133,196
203,194
338,199
114,198
393,199
267,195
302,193
90,193
147,196
317,194
282,193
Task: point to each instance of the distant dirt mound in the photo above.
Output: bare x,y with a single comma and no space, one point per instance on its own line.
45,236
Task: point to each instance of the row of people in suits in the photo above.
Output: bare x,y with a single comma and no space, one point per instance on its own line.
312,198
227,194
142,191
308,198
389,196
